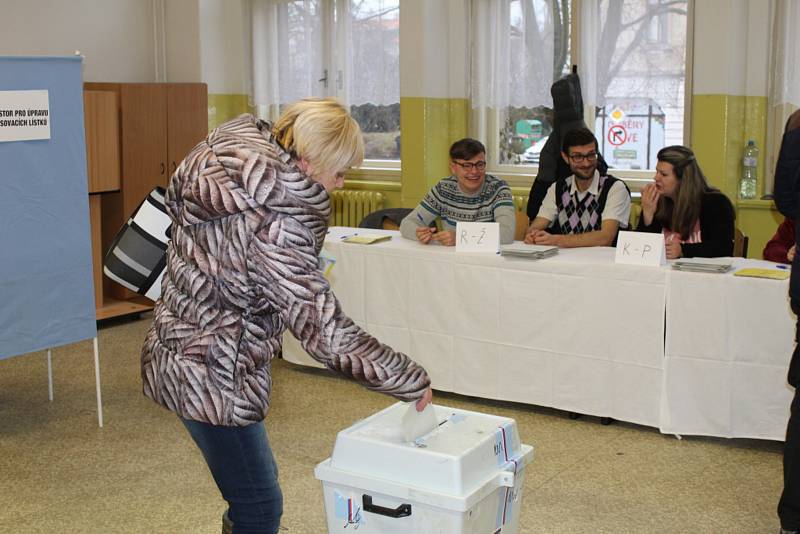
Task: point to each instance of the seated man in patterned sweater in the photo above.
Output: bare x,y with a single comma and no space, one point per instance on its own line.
468,195
585,210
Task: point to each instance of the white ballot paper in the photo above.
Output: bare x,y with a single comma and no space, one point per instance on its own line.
415,424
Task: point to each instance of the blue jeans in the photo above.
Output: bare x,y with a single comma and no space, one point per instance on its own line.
245,471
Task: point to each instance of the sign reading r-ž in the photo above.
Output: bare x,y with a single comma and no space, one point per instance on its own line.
630,133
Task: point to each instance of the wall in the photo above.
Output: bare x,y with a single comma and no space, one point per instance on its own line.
223,58
202,40
729,103
116,36
181,38
434,109
139,41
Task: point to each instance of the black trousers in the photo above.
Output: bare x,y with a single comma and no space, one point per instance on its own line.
789,505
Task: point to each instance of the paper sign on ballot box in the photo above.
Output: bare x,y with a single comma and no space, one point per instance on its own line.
640,248
478,237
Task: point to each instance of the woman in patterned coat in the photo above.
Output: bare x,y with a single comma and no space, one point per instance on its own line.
249,209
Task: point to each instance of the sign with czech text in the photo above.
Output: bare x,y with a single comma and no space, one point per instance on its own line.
24,115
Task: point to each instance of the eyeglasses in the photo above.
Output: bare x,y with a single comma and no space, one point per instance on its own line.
480,165
578,158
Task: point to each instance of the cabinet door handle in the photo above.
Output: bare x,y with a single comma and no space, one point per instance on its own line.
163,168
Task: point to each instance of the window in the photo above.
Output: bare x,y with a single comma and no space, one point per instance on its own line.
519,48
348,49
638,89
631,60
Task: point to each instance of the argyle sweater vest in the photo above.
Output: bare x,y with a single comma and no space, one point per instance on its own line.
580,216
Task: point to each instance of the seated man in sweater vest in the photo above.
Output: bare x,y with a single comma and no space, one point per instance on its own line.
585,210
468,195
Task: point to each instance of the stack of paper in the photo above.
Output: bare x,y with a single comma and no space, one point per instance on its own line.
534,252
703,265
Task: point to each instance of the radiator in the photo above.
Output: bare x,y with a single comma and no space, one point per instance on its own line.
348,207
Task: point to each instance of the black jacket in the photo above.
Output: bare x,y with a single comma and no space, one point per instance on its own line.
716,226
787,198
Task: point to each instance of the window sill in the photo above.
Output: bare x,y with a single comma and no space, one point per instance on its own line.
374,173
365,184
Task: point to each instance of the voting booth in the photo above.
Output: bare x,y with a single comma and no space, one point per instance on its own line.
463,475
46,276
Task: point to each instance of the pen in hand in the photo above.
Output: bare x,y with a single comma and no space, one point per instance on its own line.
422,222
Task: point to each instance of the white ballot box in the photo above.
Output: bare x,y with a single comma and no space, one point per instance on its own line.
463,474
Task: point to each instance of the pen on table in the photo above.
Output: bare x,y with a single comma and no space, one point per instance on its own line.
784,267
348,235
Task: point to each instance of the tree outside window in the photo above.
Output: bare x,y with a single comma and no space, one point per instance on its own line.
348,49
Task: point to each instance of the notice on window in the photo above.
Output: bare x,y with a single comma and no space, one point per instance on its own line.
24,115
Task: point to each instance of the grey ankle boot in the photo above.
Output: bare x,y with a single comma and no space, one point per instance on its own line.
227,524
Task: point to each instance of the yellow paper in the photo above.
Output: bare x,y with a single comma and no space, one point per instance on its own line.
366,239
774,274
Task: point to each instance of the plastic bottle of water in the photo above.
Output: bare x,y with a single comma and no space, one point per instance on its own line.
748,183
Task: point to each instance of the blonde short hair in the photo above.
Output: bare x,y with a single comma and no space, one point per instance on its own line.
322,132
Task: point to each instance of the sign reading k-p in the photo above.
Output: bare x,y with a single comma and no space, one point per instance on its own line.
640,248
24,115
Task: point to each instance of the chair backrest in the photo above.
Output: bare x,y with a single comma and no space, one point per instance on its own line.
521,225
740,243
386,219
636,211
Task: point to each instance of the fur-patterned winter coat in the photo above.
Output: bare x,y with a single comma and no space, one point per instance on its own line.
241,268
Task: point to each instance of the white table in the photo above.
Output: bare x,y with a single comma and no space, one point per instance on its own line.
575,332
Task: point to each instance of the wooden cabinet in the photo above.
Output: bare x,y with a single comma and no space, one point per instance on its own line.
157,125
101,123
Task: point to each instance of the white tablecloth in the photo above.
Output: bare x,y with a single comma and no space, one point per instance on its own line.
729,341
576,332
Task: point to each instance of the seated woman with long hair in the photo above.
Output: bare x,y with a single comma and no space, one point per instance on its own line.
695,218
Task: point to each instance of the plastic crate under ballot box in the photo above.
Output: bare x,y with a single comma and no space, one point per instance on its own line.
463,473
